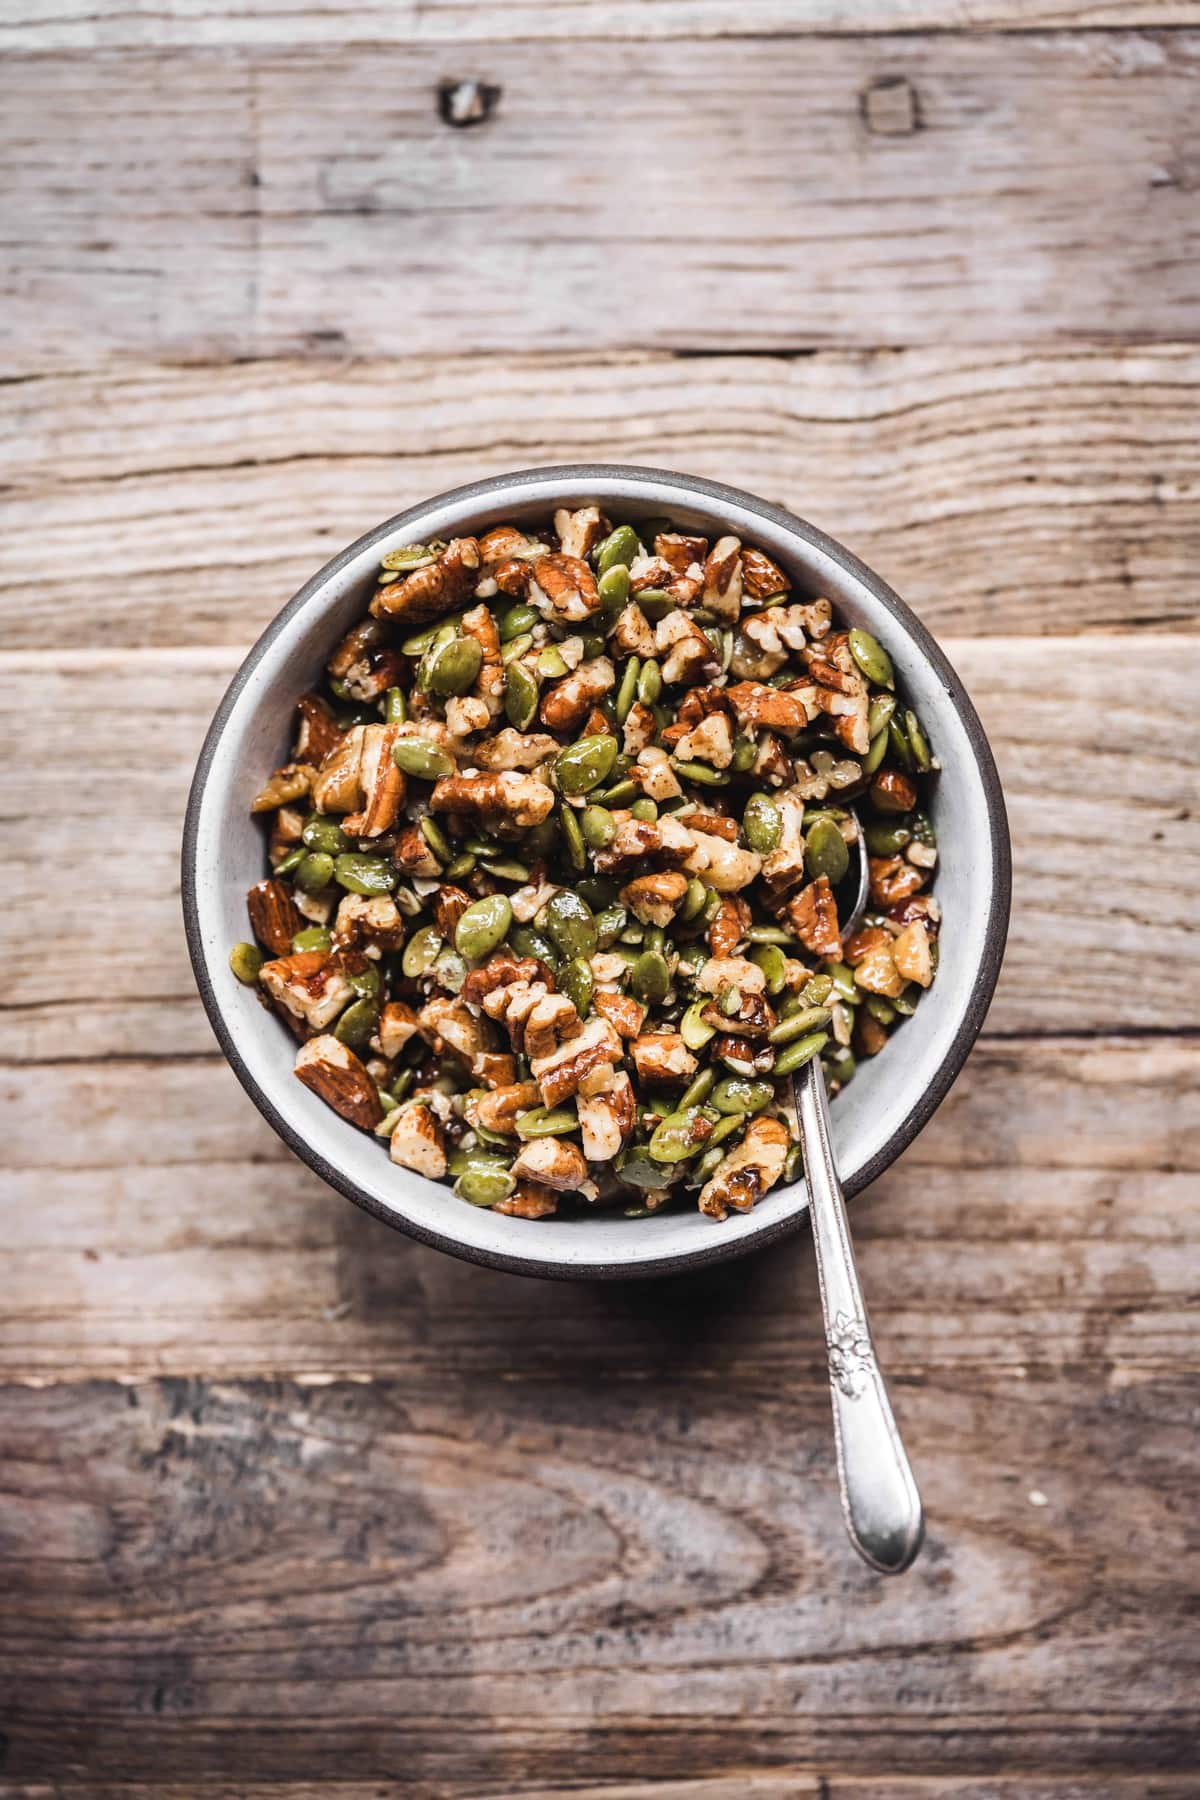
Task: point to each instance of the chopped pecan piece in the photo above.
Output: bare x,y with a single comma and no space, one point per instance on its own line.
864,942
753,1018
563,589
653,770
633,634
480,623
529,1200
776,708
375,921
309,985
727,867
606,1120
813,917
449,905
662,1057
761,577
917,906
709,742
333,1072
554,1162
509,749
397,1027
502,970
364,663
317,731
551,1022
729,926
640,841
418,1141
877,971
381,784
721,972
654,898
499,1110
412,855
336,788
505,541
466,715
292,782
654,574
622,1011
894,792
502,798
449,1024
436,589
567,702
749,1171
560,1074
722,591
687,653
912,954
639,729
274,916
685,555
578,532
892,879
711,823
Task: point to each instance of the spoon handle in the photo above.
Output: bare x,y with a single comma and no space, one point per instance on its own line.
879,1496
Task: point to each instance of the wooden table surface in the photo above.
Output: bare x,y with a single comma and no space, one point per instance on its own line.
294,1507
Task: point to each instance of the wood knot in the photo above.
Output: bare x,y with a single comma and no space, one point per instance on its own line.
890,107
466,103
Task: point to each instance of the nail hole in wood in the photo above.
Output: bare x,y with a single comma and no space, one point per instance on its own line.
890,107
466,103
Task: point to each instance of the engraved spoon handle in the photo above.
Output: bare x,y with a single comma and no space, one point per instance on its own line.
879,1496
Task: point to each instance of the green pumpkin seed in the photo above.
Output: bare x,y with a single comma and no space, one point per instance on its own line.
680,1135
918,743
649,685
422,758
762,824
484,1180
645,810
573,838
569,924
357,1023
620,794
708,1165
313,937
745,755
520,696
898,744
791,1164
871,658
440,632
314,872
364,874
636,1168
614,587
773,963
576,981
656,603
516,647
517,621
712,905
734,1095
437,840
826,852
462,865
618,549
598,826
246,960
582,766
551,664
806,1018
880,1009
840,1069
366,981
408,556
402,1083
483,925
610,923
650,978
450,668
598,891
772,934
886,839
450,970
905,1004
882,708
528,942
698,1091
816,990
406,902
627,692
395,707
422,951
842,977
876,752
542,1121
730,1002
699,773
800,1052
693,900
731,1122
291,861
508,869
325,835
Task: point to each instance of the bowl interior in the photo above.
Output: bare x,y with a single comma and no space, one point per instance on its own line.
892,1094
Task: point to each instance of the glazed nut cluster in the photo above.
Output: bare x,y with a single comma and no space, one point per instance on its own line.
560,859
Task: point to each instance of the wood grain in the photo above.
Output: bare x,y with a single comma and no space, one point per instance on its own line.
107,24
317,200
1001,491
1042,1223
1101,790
218,1575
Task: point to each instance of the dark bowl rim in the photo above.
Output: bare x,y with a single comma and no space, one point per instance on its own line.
583,477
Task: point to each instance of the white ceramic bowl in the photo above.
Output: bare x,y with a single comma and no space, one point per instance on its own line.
892,1095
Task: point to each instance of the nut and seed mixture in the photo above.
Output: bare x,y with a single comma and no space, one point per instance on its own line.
557,863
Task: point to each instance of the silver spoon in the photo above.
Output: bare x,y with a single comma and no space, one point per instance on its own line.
880,1501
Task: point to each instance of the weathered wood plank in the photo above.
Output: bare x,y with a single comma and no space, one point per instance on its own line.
1043,1220
413,1580
108,24
1030,186
1000,491
1100,782
828,1784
